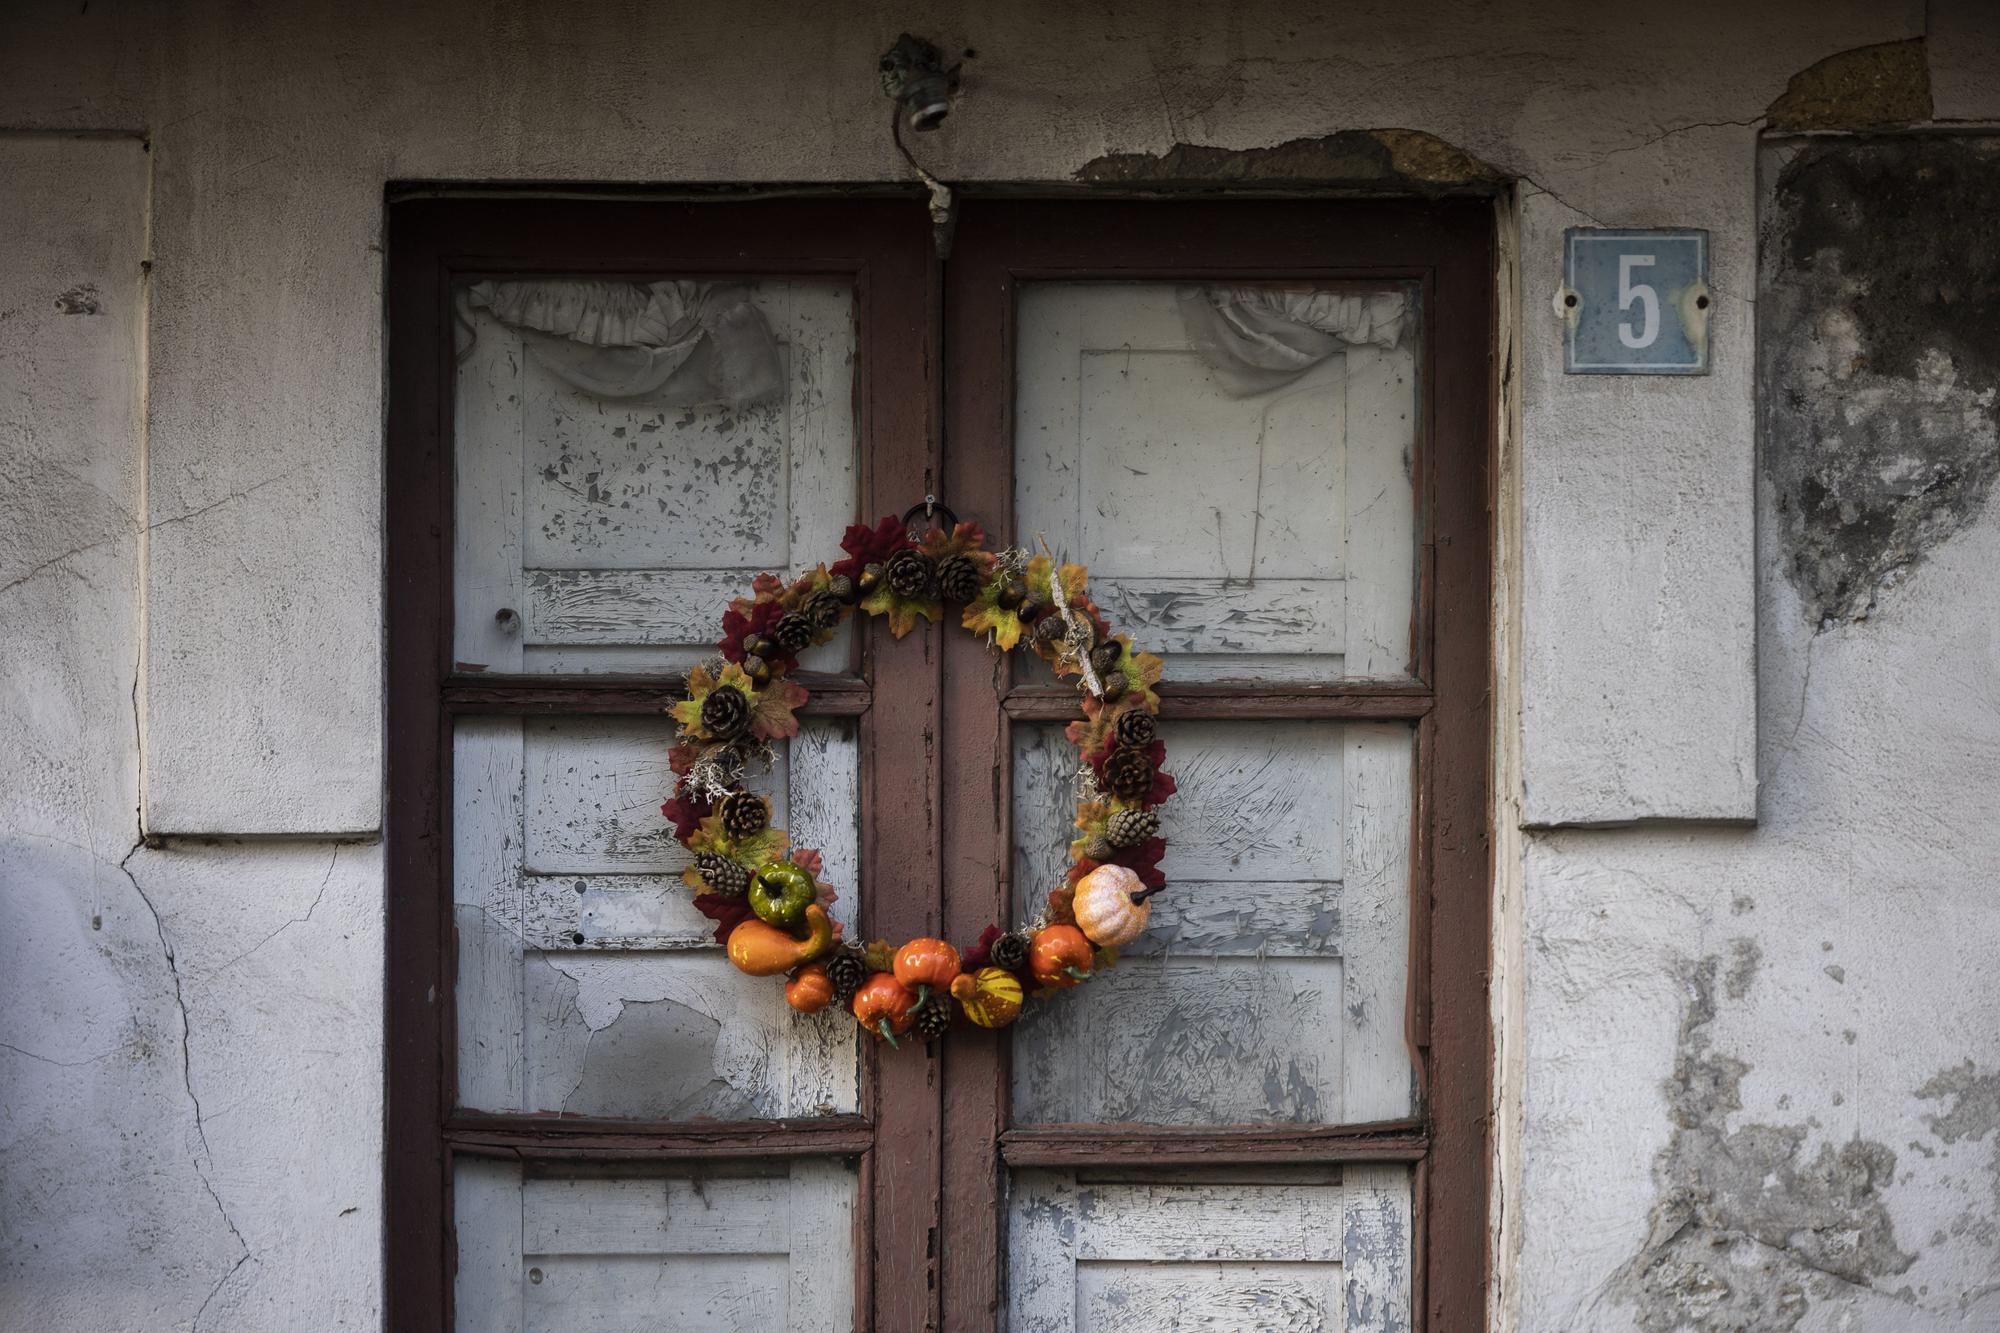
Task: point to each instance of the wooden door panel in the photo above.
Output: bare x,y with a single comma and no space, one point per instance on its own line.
1270,984
1322,1249
1262,535
747,1246
618,528
588,983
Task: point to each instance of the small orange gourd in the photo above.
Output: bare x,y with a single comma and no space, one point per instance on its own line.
990,997
883,1005
926,962
810,990
1110,906
1059,956
764,950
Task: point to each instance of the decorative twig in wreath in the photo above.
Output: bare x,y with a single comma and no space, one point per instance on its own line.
768,902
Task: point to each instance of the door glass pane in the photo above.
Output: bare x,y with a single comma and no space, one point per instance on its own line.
631,454
1238,1248
1270,985
750,1246
1233,463
588,984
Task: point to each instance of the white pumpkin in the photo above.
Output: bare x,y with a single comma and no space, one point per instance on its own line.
1111,907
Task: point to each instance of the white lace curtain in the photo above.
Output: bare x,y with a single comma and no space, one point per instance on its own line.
681,343
1259,338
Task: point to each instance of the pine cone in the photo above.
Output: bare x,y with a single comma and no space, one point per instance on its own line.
1129,828
846,971
911,575
1137,728
725,713
793,632
1114,687
1129,773
745,814
934,1015
823,608
959,578
722,875
1011,952
1105,656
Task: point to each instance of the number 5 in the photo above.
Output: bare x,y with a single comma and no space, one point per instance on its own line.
1628,292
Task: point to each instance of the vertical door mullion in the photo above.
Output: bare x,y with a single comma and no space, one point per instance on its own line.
978,785
900,820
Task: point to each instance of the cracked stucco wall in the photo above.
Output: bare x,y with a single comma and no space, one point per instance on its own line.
191,1054
177,1028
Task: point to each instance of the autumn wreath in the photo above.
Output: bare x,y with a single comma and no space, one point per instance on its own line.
767,899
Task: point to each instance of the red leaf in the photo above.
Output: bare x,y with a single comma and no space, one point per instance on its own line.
867,546
687,814
737,626
727,913
980,954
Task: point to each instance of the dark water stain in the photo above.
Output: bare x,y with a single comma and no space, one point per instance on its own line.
80,300
1879,340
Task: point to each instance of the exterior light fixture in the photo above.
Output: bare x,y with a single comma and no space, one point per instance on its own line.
915,78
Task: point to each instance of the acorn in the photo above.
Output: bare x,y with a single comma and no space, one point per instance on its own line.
870,580
1012,594
1099,848
841,588
756,645
757,669
1136,728
1106,655
725,712
1114,687
1052,629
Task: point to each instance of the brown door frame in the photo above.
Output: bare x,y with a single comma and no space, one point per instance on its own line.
928,1127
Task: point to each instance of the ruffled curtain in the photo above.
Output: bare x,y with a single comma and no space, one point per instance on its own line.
1259,338
684,344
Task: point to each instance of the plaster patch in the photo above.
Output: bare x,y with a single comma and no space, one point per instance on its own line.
1973,1113
1748,1230
1880,345
1390,157
1868,87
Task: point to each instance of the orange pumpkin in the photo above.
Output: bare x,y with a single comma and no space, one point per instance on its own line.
1059,956
810,989
926,962
884,1006
763,950
990,997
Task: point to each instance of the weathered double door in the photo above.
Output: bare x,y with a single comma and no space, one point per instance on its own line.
1262,425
